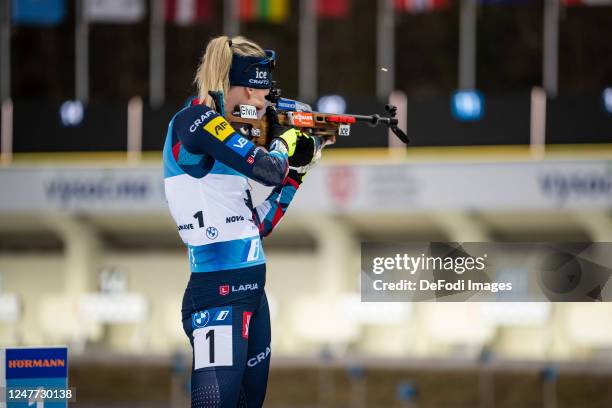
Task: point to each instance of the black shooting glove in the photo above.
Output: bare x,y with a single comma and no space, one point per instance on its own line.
307,154
300,146
274,127
304,151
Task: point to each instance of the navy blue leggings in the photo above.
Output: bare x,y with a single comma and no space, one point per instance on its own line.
227,319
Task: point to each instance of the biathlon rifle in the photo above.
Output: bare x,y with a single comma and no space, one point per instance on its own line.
298,114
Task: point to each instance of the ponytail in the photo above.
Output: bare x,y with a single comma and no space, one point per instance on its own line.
213,72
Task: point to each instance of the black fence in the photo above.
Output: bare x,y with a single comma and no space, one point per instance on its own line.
571,118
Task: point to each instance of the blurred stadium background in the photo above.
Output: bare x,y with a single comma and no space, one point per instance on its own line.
508,104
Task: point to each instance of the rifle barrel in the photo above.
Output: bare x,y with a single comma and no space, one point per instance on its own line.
375,119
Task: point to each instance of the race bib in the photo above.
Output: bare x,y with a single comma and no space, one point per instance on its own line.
212,337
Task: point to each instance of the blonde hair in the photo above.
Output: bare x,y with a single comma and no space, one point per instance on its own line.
213,72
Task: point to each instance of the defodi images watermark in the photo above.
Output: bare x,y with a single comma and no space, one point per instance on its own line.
486,272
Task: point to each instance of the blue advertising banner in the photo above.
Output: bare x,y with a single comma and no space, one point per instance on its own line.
38,12
36,376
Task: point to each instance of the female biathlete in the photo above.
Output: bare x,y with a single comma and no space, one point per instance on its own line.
207,164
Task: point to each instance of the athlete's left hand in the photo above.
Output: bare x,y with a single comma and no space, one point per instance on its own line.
307,154
305,150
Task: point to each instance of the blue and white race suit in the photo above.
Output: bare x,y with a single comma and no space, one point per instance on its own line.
207,167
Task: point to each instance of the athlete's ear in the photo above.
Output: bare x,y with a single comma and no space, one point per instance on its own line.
249,91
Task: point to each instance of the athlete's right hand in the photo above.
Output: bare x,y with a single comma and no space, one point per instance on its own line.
275,129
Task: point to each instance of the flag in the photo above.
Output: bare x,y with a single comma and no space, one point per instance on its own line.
273,11
38,12
333,8
114,11
420,6
587,2
186,12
